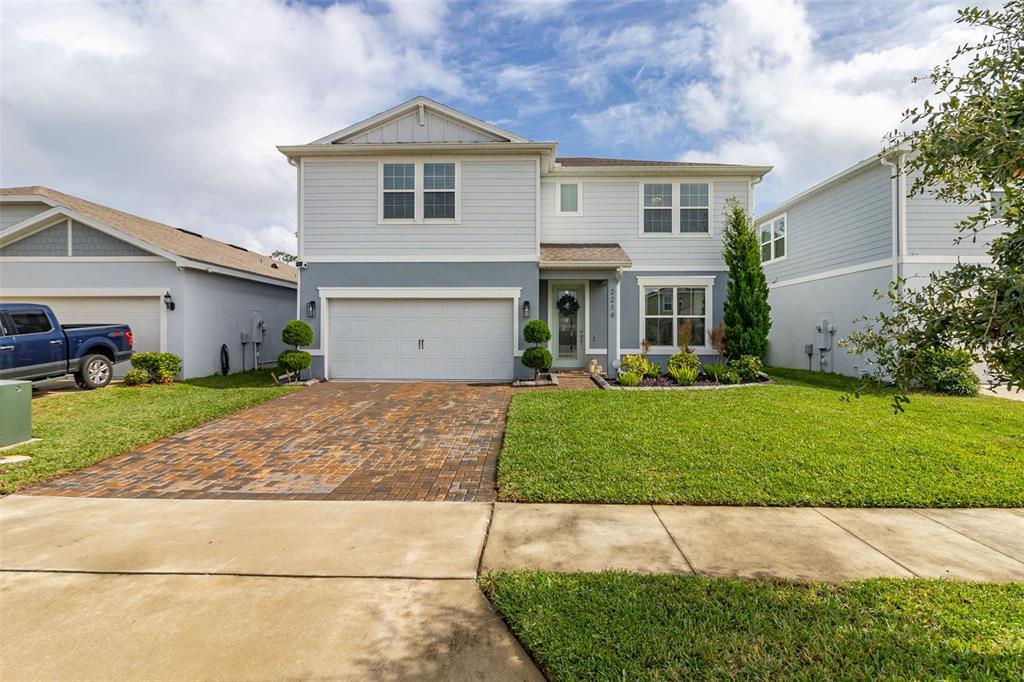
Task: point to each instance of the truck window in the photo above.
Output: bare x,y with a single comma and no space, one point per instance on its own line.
30,321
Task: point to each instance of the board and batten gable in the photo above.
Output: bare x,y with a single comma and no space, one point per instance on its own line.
846,224
612,214
497,199
12,213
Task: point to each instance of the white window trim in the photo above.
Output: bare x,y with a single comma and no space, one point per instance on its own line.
708,283
579,199
418,190
675,233
784,217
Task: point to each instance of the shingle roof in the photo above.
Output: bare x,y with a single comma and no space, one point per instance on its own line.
590,161
583,255
188,245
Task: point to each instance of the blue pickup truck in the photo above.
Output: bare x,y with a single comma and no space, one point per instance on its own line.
35,346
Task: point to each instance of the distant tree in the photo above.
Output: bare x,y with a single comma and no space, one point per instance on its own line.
747,314
284,256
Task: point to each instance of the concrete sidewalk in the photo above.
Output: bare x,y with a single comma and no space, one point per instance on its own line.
217,589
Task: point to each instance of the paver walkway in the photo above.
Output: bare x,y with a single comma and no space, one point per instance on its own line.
331,441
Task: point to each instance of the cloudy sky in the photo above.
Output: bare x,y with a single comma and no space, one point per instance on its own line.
172,110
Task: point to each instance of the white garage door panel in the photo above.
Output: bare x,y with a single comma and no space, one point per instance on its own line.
142,314
379,339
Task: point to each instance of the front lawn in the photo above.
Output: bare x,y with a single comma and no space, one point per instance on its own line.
617,626
792,443
84,427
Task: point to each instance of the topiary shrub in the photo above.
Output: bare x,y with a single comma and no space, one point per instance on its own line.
947,370
538,359
161,367
297,333
295,360
748,367
536,332
629,378
683,374
136,377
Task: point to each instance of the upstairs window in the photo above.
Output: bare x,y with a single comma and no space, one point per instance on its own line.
657,208
568,199
695,211
438,191
399,191
773,239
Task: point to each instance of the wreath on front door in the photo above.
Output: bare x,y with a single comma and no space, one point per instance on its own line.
568,305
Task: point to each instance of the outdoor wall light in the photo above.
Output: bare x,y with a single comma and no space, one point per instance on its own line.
526,310
311,309
168,301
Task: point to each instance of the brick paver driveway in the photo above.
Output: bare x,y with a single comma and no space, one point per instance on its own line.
333,441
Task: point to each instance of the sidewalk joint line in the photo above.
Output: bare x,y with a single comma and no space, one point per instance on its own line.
238,575
960,532
839,525
487,536
673,539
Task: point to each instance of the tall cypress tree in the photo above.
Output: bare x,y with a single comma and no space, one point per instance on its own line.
747,314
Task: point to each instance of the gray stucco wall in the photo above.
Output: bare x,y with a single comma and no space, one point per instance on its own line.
316,275
797,308
629,307
216,309
51,242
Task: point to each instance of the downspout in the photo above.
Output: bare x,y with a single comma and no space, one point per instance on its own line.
895,215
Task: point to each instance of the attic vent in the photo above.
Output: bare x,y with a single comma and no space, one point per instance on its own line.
194,234
238,247
274,265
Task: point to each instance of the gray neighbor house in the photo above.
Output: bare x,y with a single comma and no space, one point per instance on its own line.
826,250
428,238
179,291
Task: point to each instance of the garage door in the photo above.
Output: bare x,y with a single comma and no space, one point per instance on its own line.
142,314
420,339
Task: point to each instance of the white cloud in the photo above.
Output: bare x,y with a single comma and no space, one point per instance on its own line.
173,110
530,10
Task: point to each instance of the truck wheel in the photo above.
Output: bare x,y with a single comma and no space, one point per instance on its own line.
96,372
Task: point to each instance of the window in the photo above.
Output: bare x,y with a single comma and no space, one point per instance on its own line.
665,308
568,198
438,191
695,211
998,196
657,208
30,321
773,239
399,191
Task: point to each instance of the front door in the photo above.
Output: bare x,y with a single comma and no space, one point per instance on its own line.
566,308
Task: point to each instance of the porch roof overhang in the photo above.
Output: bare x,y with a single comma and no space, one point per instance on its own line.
588,256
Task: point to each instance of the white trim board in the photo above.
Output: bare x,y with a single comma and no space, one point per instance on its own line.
838,272
425,258
84,292
419,292
83,259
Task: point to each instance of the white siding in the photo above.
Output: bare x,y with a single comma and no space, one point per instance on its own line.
498,213
436,128
845,224
14,213
611,213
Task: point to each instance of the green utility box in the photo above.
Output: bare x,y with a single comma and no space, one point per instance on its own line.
15,412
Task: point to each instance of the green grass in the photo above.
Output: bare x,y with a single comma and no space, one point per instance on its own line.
796,442
81,428
617,626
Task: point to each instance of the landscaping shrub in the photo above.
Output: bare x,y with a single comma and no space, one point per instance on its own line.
536,332
161,368
748,367
678,360
629,378
295,360
538,359
639,365
297,333
136,377
684,375
729,376
948,370
714,370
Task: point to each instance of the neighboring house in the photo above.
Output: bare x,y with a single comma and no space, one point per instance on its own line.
827,250
179,291
428,238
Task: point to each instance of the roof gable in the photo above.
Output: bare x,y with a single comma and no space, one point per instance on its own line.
418,121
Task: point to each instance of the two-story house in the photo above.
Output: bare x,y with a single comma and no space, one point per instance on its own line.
428,238
828,249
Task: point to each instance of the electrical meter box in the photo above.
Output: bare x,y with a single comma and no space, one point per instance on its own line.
15,412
